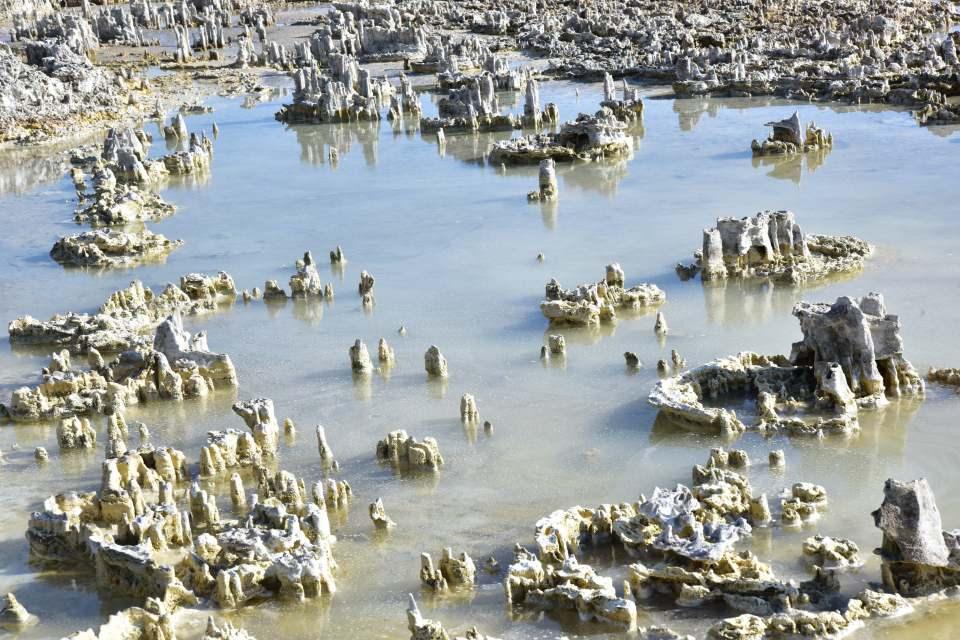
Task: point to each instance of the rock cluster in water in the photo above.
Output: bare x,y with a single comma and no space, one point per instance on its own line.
772,245
406,452
175,366
127,317
587,138
850,357
591,304
788,137
112,248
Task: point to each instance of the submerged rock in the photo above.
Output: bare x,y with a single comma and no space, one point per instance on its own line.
385,353
573,586
112,248
660,325
947,376
557,344
424,629
547,189
139,539
327,459
379,516
832,553
76,433
260,418
918,557
224,631
121,204
306,281
468,408
360,358
14,614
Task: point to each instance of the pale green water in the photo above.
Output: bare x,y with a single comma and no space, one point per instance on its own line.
452,243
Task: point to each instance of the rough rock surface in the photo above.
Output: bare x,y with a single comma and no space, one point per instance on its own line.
126,318
379,517
176,365
587,138
434,362
591,304
832,553
405,451
62,91
918,556
112,248
425,629
306,282
14,614
452,572
947,376
140,538
572,586
772,245
114,203
788,136
851,357
260,418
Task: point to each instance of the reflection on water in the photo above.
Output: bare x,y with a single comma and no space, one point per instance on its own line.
740,302
594,177
790,167
23,169
691,110
452,243
317,140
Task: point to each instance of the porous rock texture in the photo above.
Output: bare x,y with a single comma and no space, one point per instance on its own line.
306,283
128,316
772,245
918,557
788,136
850,357
591,304
435,363
949,376
259,416
176,365
425,629
681,547
112,248
587,138
56,89
832,553
148,541
120,203
405,451
452,571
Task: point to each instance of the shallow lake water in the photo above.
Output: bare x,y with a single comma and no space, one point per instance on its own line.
452,243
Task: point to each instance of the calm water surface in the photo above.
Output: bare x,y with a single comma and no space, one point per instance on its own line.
453,244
